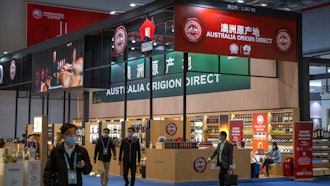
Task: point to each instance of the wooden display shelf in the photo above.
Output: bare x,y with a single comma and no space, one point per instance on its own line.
318,158
321,143
284,134
321,165
325,150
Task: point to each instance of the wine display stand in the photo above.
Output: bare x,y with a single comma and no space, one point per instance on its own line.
321,156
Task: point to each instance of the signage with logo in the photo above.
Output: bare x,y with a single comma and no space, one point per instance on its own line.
147,29
46,22
303,150
200,164
236,131
260,133
1,74
168,79
212,31
171,129
12,70
120,39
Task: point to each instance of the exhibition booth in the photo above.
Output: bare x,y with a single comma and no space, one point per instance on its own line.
179,72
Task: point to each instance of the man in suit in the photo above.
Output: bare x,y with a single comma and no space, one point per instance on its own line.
224,153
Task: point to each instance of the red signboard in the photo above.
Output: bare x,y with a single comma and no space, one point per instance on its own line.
46,22
303,150
212,31
260,134
236,131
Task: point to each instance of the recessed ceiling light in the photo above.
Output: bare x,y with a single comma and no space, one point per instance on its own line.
263,4
5,52
132,5
240,1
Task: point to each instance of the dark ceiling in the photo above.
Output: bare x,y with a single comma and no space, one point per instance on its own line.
289,5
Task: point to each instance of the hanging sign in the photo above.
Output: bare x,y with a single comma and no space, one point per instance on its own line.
213,31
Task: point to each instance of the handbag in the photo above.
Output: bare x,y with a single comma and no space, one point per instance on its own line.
230,179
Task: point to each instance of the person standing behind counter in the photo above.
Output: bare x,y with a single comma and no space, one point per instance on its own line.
224,153
274,156
67,161
103,148
130,146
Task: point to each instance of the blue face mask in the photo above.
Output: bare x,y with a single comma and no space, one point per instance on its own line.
130,135
105,135
71,140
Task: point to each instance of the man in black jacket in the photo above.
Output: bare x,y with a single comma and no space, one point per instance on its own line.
130,146
224,153
67,161
103,148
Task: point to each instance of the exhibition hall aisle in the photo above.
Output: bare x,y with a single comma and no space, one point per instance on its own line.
118,181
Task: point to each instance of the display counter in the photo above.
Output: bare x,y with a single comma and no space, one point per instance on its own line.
187,165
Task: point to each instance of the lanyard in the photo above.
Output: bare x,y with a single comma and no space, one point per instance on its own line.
74,161
107,144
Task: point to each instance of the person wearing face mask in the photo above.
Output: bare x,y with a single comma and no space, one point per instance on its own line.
273,157
130,146
67,161
103,148
224,153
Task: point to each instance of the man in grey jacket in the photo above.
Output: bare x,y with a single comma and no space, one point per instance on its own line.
224,153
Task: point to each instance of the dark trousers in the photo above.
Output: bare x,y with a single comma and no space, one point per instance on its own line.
132,166
267,162
222,173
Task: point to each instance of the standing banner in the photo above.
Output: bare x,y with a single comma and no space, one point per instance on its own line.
260,134
236,131
303,150
213,31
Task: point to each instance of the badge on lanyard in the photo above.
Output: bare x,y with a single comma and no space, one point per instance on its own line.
72,177
72,174
105,151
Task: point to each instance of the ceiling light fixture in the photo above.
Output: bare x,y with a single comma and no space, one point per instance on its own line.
136,4
116,12
263,4
240,1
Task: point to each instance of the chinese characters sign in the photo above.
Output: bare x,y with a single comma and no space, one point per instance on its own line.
220,32
236,131
303,150
260,140
168,79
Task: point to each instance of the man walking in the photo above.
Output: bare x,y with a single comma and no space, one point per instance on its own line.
103,148
224,152
130,146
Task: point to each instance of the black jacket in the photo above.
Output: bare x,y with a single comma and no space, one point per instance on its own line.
130,147
99,149
56,172
226,155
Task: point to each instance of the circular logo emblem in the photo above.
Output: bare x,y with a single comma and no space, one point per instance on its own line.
193,30
120,39
37,14
200,164
260,119
12,70
1,74
283,40
171,129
